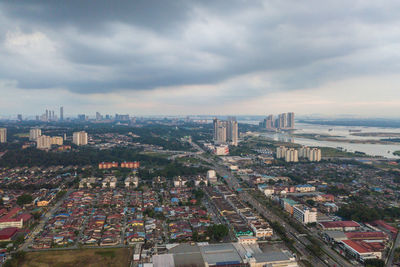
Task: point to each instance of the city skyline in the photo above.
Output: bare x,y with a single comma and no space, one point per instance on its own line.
102,115
192,57
165,133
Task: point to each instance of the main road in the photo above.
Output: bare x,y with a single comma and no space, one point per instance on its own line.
328,258
396,244
43,221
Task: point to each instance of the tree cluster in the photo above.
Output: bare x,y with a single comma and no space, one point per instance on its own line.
84,156
24,199
217,232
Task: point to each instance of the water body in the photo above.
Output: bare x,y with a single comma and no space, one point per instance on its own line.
382,150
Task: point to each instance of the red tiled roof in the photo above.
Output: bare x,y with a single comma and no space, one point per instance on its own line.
358,246
9,220
11,213
384,225
365,235
335,224
7,233
25,217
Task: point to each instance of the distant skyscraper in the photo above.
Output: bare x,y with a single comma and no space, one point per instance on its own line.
19,117
290,120
232,131
219,131
121,117
3,135
98,116
226,131
47,115
80,138
61,113
283,121
215,124
81,117
34,133
268,122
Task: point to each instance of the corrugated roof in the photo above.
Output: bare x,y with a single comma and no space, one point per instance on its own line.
217,253
366,235
164,260
335,224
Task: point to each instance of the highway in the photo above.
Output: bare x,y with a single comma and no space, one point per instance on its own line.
396,244
328,258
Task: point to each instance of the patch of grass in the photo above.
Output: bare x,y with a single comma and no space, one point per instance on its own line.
109,257
4,244
333,152
22,135
106,253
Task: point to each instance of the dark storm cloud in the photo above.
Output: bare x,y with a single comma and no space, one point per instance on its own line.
104,46
93,16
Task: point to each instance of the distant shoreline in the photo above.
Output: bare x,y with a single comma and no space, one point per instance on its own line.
319,137
376,134
384,123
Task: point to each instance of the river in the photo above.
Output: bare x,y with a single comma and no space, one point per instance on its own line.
383,150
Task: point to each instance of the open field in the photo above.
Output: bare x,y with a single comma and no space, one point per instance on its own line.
22,135
114,257
329,152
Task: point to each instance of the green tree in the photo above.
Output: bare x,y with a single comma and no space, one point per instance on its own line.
374,263
198,194
217,232
310,202
190,183
195,236
24,199
315,249
149,212
359,212
36,215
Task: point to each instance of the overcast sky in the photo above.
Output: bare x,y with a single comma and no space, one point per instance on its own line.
200,57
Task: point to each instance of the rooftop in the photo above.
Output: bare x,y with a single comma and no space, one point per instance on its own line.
335,224
289,201
217,253
164,260
365,235
364,247
273,256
